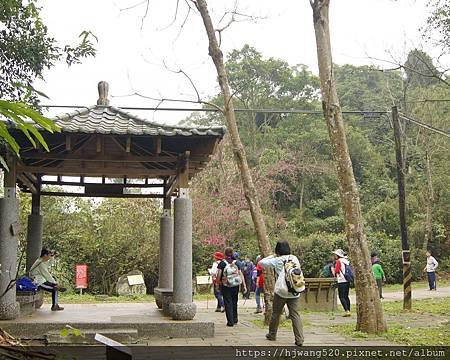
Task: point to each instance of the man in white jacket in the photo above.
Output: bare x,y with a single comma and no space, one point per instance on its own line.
43,279
430,269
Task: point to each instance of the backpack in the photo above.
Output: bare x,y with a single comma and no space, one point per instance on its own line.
25,284
326,271
295,280
348,275
231,276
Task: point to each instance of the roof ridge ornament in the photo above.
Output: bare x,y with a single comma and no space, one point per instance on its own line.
103,88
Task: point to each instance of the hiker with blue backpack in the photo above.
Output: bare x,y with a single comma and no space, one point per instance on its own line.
230,278
290,282
344,275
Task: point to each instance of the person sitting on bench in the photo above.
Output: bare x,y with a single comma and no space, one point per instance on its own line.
43,279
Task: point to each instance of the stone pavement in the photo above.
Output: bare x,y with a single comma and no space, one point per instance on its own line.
247,332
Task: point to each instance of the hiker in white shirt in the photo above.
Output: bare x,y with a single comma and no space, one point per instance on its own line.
280,299
430,269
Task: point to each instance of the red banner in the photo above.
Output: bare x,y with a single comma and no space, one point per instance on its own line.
81,277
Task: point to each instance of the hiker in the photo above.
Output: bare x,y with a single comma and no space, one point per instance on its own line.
378,273
341,265
326,270
43,279
229,278
218,257
240,265
259,285
282,295
430,269
247,271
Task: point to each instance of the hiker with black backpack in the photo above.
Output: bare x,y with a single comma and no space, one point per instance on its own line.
344,275
230,278
289,284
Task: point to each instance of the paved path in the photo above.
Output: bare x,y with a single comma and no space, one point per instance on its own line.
316,325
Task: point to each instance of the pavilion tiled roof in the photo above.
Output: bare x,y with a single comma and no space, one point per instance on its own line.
101,119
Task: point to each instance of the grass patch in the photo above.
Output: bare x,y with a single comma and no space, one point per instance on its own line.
437,306
401,334
426,332
415,285
71,298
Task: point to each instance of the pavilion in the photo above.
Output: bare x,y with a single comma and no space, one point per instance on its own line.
104,150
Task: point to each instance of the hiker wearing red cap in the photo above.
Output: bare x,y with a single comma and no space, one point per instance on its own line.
218,257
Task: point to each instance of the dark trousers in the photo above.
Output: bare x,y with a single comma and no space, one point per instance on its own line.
219,297
248,284
230,300
432,280
380,287
343,289
50,287
294,314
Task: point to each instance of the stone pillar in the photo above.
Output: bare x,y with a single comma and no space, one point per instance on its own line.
182,307
9,228
163,293
34,231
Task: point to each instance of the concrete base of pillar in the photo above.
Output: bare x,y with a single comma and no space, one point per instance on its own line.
9,311
182,311
164,296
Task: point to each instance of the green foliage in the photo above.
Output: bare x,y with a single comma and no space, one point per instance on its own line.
112,237
27,49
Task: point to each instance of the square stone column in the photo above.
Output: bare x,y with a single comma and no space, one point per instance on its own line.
182,307
9,228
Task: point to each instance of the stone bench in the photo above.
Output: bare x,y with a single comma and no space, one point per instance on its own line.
29,301
319,294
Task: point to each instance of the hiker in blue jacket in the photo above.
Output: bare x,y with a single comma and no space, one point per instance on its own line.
281,297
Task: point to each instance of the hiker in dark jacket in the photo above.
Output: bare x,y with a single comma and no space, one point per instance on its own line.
229,277
247,271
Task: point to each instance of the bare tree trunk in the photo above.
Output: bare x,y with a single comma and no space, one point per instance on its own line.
430,198
369,311
302,190
239,151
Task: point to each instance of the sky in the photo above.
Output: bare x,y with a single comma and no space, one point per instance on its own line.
141,54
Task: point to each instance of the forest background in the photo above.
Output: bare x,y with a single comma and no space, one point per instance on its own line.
292,166
291,163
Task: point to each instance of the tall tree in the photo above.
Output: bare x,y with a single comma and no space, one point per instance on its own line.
369,311
250,192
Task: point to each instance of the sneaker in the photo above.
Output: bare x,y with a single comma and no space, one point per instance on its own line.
230,325
218,310
258,311
57,308
271,337
298,344
347,314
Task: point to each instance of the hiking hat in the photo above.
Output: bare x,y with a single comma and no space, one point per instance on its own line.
218,255
339,252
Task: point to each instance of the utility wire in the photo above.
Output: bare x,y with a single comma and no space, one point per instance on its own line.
426,126
266,111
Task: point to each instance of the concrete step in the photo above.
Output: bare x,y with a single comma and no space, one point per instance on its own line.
123,336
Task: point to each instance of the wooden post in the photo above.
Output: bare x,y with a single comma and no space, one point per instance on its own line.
402,210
